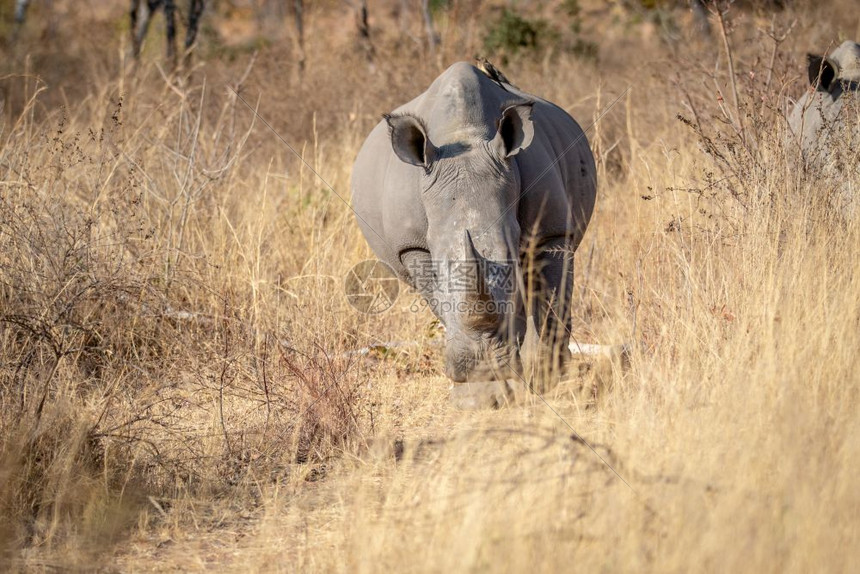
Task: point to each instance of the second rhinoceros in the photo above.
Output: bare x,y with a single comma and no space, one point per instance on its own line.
826,122
477,194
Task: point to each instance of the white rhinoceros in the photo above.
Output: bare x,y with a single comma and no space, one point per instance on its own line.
826,121
477,194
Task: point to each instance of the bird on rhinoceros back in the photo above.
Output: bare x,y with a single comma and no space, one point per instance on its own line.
477,195
826,120
493,72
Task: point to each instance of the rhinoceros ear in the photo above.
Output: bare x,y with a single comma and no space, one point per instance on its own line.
515,129
409,140
821,72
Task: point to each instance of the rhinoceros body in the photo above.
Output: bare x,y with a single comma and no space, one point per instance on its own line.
477,194
826,121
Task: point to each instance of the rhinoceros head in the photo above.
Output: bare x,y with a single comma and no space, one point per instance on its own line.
842,65
470,273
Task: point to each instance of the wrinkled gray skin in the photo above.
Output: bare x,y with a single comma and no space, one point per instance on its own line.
468,172
826,120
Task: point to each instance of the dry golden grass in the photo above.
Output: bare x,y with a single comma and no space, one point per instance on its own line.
178,383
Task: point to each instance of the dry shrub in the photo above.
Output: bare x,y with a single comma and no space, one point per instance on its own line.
138,367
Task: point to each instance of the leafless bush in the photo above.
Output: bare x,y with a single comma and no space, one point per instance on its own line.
131,364
737,112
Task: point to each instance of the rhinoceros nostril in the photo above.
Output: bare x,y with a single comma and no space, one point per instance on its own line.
460,359
455,374
457,366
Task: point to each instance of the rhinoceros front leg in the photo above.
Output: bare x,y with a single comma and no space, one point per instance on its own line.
549,284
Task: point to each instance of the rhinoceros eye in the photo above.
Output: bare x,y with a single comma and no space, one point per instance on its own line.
413,255
420,268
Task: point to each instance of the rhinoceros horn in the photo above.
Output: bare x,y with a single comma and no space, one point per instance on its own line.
480,300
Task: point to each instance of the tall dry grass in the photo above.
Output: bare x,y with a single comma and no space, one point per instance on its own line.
179,381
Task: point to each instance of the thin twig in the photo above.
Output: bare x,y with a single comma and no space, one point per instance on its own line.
721,12
223,378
